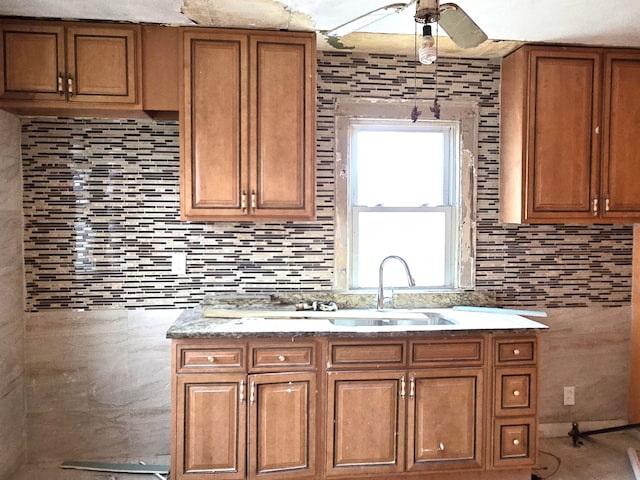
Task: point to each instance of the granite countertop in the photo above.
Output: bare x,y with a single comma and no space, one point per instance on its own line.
256,323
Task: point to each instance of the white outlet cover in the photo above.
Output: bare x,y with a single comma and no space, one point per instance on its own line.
179,263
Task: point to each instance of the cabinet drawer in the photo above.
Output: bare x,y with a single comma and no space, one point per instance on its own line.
512,352
277,358
210,359
367,354
515,391
514,442
454,352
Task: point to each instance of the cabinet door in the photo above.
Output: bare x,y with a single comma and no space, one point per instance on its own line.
213,122
211,427
621,142
366,424
101,64
33,62
444,426
282,126
563,148
281,429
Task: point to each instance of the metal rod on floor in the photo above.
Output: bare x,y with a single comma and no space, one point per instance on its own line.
576,434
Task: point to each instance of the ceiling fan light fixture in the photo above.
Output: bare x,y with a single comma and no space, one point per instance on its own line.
427,53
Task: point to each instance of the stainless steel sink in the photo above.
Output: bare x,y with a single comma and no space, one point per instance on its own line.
429,319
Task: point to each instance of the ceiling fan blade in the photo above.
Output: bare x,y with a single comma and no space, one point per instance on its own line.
460,27
367,19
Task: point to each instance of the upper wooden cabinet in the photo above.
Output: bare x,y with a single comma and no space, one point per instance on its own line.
248,125
67,65
567,139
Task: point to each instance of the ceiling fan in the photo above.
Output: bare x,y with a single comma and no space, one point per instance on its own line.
464,32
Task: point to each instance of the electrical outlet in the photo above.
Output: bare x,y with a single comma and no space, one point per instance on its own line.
569,396
178,263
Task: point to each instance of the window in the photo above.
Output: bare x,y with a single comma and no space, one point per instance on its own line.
401,190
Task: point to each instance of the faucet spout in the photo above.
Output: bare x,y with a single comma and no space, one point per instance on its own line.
410,280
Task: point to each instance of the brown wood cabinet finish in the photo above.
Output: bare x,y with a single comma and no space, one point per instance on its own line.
211,427
231,424
69,65
248,120
161,71
281,415
321,408
515,402
445,419
366,429
566,135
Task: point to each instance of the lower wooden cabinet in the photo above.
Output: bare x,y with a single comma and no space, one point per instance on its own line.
445,419
366,425
211,427
228,423
281,431
315,408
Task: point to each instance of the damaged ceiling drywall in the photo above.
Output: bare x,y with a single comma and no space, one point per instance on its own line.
506,22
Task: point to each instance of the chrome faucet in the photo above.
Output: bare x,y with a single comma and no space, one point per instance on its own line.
412,282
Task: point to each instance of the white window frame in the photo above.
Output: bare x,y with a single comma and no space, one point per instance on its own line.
462,119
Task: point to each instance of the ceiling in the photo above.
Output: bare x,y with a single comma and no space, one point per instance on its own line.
507,23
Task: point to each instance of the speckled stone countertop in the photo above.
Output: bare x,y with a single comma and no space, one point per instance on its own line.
192,324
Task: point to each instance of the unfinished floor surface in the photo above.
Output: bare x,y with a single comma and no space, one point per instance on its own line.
600,457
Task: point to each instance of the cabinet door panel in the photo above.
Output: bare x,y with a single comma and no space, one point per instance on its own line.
33,60
281,440
563,113
282,120
101,64
445,419
368,429
215,162
621,142
211,431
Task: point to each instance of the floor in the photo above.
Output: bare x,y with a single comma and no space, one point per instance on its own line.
601,457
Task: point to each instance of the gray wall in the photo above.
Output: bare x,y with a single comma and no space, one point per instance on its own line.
12,399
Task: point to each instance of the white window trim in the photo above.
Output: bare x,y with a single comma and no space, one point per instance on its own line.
467,116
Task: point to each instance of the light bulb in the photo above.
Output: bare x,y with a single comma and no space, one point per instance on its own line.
427,52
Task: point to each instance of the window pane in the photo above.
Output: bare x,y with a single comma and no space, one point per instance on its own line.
399,168
418,237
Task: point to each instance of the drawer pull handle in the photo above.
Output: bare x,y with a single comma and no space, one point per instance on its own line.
241,391
516,393
516,351
281,358
252,393
412,388
402,387
516,442
211,359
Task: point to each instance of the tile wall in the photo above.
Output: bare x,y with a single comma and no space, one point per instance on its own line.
101,211
12,372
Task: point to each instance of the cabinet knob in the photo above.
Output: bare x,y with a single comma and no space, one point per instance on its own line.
516,441
516,393
516,351
441,447
281,358
211,359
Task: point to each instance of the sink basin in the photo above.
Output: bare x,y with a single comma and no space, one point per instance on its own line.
363,314
427,319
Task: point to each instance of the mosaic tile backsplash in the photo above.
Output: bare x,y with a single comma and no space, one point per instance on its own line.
101,211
